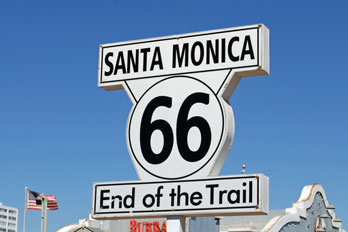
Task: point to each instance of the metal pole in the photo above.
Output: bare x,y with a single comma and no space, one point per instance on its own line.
42,213
25,207
46,201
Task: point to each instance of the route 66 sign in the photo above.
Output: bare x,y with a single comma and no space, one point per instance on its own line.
181,125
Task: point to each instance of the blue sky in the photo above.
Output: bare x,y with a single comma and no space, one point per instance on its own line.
59,132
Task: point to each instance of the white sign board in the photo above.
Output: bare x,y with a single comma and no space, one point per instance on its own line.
224,195
226,49
181,125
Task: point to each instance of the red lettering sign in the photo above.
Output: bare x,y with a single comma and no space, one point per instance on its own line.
135,226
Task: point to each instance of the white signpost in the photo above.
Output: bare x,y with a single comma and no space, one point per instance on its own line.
181,126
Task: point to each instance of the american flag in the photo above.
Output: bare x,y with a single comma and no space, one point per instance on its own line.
34,201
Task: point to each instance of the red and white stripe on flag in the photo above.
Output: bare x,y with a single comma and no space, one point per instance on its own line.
34,201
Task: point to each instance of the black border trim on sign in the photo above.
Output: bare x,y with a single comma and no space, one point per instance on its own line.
179,73
130,91
178,210
257,177
212,155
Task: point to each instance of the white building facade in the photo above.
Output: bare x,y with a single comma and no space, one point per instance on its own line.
8,218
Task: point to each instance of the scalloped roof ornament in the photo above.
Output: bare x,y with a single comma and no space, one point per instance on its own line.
305,208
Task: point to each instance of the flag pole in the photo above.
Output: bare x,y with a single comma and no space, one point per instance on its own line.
46,201
25,207
43,200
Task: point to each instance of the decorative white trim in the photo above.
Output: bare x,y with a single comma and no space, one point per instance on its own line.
299,210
